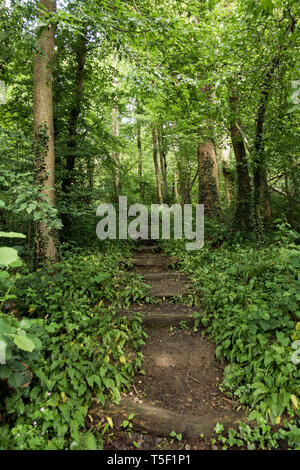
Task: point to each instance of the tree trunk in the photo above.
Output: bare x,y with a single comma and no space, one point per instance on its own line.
242,217
175,185
163,163
115,154
208,178
208,172
140,154
261,190
226,172
80,54
156,165
43,132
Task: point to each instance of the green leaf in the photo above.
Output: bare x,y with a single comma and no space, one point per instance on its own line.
4,275
5,372
8,255
91,442
24,343
16,380
12,235
5,328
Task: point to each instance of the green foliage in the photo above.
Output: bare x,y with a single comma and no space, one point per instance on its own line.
250,307
259,437
88,353
20,346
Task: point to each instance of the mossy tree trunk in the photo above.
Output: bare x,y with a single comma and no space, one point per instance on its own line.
208,178
242,217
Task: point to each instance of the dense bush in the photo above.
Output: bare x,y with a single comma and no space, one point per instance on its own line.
250,308
86,350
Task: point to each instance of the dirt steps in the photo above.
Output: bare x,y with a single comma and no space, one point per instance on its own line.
153,268
153,259
163,315
180,389
161,421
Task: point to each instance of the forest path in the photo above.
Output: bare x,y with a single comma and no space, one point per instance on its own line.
180,389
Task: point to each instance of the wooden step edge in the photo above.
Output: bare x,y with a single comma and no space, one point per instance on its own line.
161,422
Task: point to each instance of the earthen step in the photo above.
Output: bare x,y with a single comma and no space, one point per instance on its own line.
164,276
163,315
160,320
170,289
153,260
161,422
144,270
150,248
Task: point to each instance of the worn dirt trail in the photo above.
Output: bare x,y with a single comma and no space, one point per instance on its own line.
180,389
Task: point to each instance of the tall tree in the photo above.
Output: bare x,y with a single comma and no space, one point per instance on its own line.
242,217
115,133
43,129
208,178
156,165
163,163
139,149
80,49
225,158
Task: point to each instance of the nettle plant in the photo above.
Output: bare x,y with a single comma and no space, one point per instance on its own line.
19,345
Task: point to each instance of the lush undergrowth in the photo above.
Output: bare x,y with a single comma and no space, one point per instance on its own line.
66,347
249,301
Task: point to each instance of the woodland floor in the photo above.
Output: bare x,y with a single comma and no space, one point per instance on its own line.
180,389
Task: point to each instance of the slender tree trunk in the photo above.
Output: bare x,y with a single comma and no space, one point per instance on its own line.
175,185
242,218
156,165
261,190
115,154
90,172
43,132
208,178
226,172
80,54
163,163
140,153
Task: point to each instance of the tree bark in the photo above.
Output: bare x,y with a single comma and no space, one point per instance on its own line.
242,216
163,164
80,54
261,190
115,154
208,172
156,165
43,132
208,178
225,155
140,153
